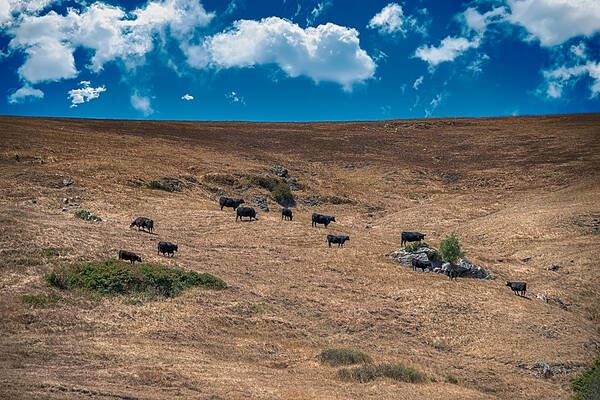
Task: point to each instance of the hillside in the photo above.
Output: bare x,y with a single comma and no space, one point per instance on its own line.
521,193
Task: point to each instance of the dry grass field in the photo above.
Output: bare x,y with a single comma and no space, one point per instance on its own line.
522,194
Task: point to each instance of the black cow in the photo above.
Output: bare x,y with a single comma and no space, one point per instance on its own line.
322,219
144,223
245,212
452,272
129,256
411,237
337,239
229,202
167,248
519,288
286,213
416,263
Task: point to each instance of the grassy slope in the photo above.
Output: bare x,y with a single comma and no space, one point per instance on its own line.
510,188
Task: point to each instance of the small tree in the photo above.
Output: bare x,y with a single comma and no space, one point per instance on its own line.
283,195
450,249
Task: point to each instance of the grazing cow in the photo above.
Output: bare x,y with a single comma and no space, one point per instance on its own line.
286,213
129,256
229,202
322,219
245,212
452,273
167,248
337,239
519,288
144,223
416,263
411,237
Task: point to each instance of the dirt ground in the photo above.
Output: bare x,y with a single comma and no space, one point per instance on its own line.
521,193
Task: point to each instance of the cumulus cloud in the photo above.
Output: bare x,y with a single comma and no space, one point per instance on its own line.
24,93
418,82
324,53
85,93
553,22
235,97
187,97
448,50
476,22
391,20
141,103
579,51
556,80
110,32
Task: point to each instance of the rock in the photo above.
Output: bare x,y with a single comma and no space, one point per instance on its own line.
34,201
311,201
261,202
422,254
541,297
65,209
368,227
555,267
172,184
65,200
67,182
74,205
542,370
279,171
526,259
560,303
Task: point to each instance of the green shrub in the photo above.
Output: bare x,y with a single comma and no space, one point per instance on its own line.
17,158
51,252
88,216
265,182
283,195
337,200
41,300
159,186
370,372
451,379
415,246
587,386
120,278
220,179
335,357
450,249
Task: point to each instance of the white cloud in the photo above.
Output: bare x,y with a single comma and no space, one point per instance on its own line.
85,93
435,102
562,77
317,11
476,22
476,65
23,93
235,97
324,53
418,82
141,103
553,22
391,20
111,33
448,50
187,97
579,50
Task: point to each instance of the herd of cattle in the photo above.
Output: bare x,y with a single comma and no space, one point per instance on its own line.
169,248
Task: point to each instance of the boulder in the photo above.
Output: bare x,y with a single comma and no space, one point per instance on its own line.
466,269
542,370
279,171
67,182
261,203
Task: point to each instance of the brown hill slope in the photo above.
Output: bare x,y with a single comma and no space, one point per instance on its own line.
511,188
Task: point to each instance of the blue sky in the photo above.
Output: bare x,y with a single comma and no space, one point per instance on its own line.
298,60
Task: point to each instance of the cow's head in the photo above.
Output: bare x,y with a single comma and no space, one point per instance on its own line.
138,258
346,237
332,219
175,247
508,283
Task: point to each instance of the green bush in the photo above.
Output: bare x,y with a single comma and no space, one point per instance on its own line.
88,216
220,179
587,386
283,195
265,182
450,249
451,379
415,246
337,200
335,357
120,278
159,186
370,372
41,300
51,252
